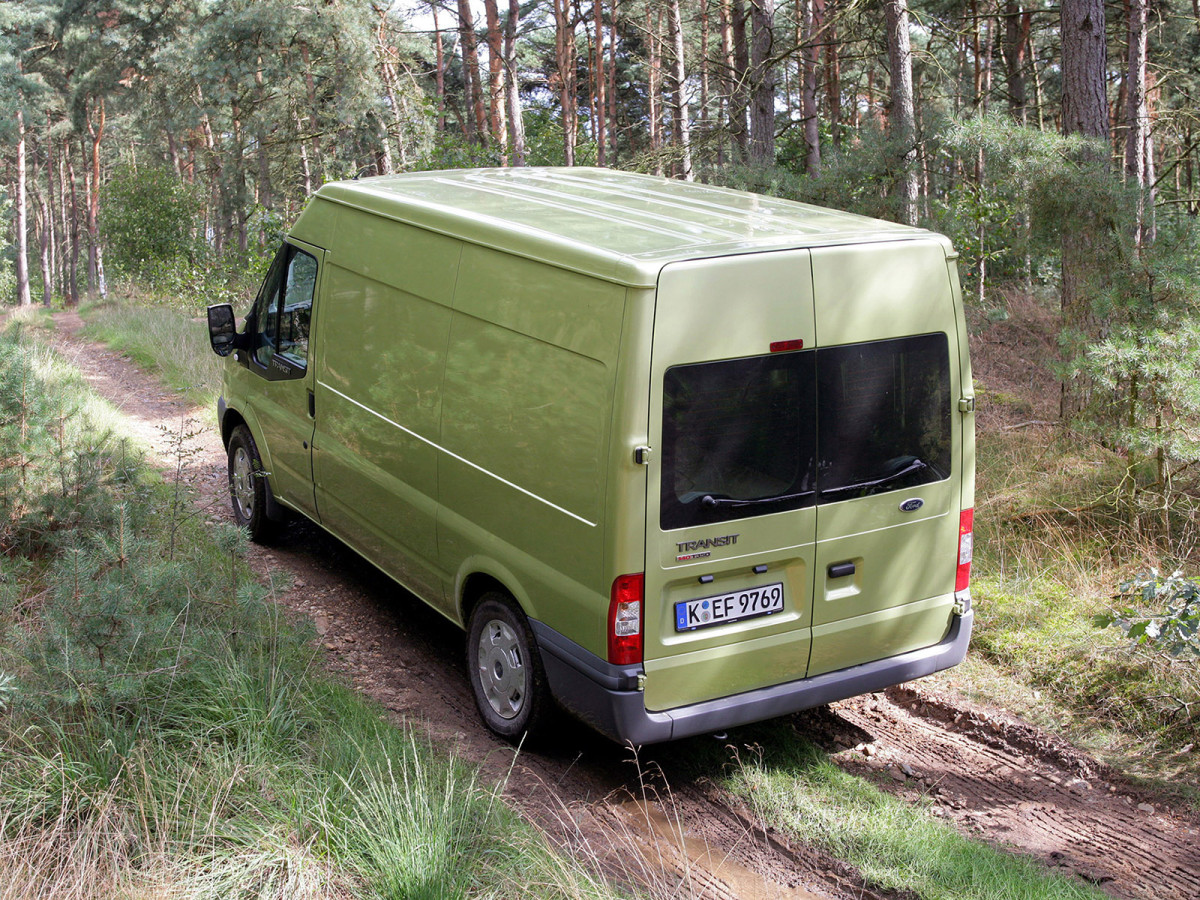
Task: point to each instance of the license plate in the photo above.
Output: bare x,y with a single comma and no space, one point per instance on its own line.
724,608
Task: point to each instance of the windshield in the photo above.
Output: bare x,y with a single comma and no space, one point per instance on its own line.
766,434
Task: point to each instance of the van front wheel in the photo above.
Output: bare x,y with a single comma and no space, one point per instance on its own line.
505,668
248,486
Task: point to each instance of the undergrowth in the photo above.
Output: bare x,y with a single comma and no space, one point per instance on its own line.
1053,545
165,731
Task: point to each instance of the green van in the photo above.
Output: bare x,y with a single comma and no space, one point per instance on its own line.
676,457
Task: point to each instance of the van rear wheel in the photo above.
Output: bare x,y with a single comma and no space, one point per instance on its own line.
505,668
248,486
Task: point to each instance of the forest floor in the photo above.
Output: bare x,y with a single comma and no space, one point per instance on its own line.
645,817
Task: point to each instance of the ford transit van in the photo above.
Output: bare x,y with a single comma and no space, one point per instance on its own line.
675,457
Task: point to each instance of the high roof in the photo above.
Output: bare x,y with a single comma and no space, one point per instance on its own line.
616,225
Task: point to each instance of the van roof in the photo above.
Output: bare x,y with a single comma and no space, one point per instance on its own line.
620,226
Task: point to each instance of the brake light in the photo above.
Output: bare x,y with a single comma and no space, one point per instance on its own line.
625,620
966,546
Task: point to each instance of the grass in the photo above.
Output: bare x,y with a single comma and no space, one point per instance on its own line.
1050,552
895,845
161,339
166,731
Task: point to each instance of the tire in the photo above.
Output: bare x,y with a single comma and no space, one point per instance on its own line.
248,489
505,669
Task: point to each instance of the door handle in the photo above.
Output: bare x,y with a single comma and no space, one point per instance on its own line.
841,570
312,405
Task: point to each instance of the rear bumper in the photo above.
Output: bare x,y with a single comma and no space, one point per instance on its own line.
606,696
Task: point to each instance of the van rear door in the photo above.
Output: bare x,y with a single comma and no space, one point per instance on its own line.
731,521
887,512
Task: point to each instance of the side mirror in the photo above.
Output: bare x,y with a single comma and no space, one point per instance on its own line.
222,329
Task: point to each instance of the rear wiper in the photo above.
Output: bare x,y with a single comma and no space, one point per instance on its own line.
713,502
916,465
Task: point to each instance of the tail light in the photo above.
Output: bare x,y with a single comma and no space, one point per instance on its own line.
966,545
625,620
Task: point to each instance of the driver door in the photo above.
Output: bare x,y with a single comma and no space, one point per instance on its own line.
279,355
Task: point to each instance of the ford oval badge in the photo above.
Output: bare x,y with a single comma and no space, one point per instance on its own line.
912,505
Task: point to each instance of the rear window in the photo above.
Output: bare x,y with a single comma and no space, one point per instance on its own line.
765,434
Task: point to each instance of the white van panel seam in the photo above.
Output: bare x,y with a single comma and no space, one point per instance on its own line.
452,454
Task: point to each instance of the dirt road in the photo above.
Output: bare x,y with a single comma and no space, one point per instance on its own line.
993,776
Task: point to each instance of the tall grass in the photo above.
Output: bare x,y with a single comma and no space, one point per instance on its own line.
1051,549
166,732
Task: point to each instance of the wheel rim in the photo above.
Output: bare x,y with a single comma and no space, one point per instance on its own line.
243,483
501,669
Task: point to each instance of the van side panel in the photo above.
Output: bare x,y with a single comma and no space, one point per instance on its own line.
901,594
526,418
378,393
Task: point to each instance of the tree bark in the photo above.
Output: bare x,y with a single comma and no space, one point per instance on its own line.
827,15
512,86
1084,66
739,94
600,86
762,67
1016,39
808,88
564,43
683,133
1085,112
476,118
654,92
1137,116
902,121
705,71
22,223
45,242
95,250
496,92
440,61
613,120
73,258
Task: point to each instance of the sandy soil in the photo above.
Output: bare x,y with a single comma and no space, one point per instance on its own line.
636,815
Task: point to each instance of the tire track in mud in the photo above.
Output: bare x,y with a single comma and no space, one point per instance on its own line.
993,776
1021,788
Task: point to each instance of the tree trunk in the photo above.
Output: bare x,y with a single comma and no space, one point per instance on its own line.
762,67
902,121
95,251
73,263
679,102
440,58
1137,117
654,93
705,71
1085,112
613,121
22,224
600,86
516,122
496,92
739,95
1016,39
1084,65
809,28
45,243
564,43
827,15
476,117
318,158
